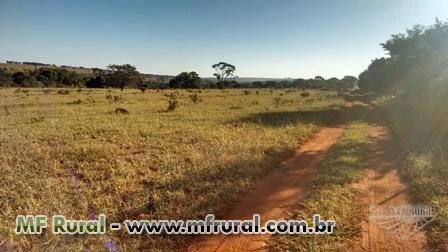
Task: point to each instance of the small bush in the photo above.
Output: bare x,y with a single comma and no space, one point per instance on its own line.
114,98
277,101
77,102
305,94
63,92
79,90
195,98
121,111
247,92
6,110
173,103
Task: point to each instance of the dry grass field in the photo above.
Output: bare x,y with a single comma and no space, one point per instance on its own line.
69,153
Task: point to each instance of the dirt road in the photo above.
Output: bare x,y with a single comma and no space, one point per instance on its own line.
274,196
385,190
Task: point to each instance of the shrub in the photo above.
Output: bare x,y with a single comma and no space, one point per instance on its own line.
195,98
121,111
63,92
305,94
172,104
114,98
277,101
77,102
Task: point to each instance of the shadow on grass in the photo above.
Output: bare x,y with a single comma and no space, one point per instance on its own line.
198,192
284,118
221,179
323,117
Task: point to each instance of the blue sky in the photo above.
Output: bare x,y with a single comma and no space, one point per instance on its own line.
262,38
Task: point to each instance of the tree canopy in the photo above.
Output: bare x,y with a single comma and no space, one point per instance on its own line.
420,48
186,80
122,75
224,73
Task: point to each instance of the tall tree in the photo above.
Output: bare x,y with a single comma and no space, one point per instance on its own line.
122,75
224,72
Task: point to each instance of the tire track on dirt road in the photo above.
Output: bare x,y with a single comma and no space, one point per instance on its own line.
384,189
277,194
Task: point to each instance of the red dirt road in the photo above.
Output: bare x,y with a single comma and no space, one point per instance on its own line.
384,189
275,195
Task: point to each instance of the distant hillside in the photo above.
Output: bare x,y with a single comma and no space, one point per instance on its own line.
83,71
15,67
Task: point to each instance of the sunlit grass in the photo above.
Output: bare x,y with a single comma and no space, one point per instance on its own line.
70,154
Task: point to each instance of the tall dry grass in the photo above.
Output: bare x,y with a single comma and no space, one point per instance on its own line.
71,154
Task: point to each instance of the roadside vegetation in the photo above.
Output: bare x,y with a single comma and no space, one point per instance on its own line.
86,152
334,196
411,88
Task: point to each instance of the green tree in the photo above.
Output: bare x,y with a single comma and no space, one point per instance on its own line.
408,54
20,78
186,80
96,82
122,75
224,72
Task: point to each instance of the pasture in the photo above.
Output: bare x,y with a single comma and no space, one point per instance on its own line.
68,152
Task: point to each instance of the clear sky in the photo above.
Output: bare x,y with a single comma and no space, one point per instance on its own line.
262,38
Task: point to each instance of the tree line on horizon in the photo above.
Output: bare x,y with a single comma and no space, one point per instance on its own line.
127,76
